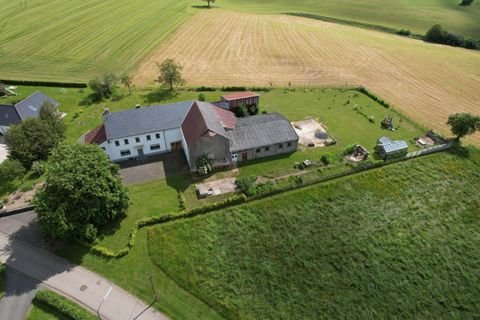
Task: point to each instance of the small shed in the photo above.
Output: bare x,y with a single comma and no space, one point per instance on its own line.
237,99
390,149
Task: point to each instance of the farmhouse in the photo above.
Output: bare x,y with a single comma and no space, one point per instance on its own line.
27,108
196,128
237,99
389,149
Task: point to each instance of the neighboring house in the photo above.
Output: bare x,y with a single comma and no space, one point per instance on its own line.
237,99
389,149
195,127
27,108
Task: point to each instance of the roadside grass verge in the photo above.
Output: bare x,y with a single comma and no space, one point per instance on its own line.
399,240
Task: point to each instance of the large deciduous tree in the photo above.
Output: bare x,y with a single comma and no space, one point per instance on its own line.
170,73
103,87
34,138
83,192
127,81
462,124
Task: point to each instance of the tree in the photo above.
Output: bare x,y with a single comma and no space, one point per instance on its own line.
103,87
436,34
466,2
10,170
170,73
209,1
34,138
127,81
462,124
83,192
50,114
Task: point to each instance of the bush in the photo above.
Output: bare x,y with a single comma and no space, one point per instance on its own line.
10,170
202,88
240,112
437,34
246,184
327,159
201,97
64,306
234,89
349,149
204,165
252,110
404,32
466,2
181,201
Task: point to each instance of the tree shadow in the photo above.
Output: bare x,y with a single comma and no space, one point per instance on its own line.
458,150
202,7
160,95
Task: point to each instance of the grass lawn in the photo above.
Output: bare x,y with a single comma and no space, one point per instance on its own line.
399,241
76,40
416,15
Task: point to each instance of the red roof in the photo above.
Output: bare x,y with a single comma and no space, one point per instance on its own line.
240,95
96,136
227,118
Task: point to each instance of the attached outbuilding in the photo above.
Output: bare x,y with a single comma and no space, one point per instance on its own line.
390,149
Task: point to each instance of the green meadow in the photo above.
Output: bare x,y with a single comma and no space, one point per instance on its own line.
399,242
415,15
76,40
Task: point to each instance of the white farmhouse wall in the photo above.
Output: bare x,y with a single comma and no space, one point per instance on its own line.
3,130
164,139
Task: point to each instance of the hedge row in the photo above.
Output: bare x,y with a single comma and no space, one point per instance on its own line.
373,96
150,221
64,306
44,83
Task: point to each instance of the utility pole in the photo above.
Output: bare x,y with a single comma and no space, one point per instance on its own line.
155,297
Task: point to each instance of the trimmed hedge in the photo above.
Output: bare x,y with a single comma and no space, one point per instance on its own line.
44,83
150,221
64,306
373,96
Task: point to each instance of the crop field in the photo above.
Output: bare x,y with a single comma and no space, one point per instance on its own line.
416,15
340,250
427,82
76,40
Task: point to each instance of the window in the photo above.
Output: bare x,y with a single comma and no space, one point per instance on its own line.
148,138
267,148
137,139
157,135
124,153
117,143
289,144
125,141
155,147
258,150
103,148
280,146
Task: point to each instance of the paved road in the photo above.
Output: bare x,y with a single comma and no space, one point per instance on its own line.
20,250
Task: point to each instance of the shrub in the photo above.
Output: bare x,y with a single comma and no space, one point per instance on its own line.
404,32
327,159
466,2
202,88
246,184
201,97
233,88
349,149
181,201
64,306
10,170
252,109
437,34
204,165
240,112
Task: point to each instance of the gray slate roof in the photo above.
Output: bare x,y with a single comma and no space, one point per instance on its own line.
146,119
30,106
8,116
392,146
211,119
261,130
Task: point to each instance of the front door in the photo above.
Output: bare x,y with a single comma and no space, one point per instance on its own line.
176,146
244,156
140,154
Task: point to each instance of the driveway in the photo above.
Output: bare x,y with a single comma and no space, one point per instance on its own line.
3,149
21,250
153,168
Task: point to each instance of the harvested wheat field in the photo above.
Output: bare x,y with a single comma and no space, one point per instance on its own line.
425,81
